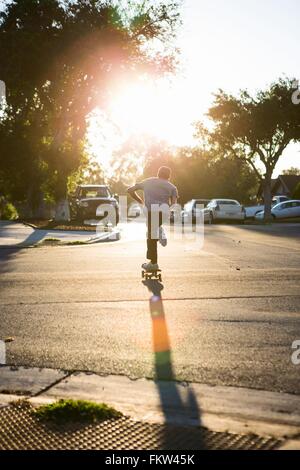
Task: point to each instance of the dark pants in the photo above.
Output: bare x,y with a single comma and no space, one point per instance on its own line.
154,221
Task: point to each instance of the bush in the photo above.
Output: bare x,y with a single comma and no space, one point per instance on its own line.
8,212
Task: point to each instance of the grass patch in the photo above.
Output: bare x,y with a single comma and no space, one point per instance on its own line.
81,411
21,404
48,242
57,241
76,242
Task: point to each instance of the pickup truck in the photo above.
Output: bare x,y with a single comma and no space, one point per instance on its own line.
252,211
87,198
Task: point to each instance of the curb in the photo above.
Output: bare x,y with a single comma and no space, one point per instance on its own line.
219,409
105,237
28,224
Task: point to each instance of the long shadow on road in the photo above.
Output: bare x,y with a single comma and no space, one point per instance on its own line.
175,403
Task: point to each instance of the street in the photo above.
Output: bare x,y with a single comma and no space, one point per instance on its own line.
232,308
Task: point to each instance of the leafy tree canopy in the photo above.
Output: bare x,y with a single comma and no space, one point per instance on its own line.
255,128
60,60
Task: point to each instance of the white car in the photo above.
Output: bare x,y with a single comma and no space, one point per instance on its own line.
225,209
284,210
193,208
253,210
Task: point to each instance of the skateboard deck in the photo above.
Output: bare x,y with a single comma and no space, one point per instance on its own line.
152,274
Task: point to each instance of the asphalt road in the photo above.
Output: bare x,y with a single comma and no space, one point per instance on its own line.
232,307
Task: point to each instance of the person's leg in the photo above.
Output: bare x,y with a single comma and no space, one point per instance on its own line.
152,251
160,219
151,241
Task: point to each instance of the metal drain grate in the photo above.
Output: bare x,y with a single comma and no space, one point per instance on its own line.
19,429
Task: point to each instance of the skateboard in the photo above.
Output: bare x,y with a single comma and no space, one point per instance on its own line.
152,274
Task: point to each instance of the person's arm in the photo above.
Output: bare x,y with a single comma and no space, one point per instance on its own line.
173,200
134,195
174,196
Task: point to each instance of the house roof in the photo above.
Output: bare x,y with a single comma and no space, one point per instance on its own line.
261,187
289,181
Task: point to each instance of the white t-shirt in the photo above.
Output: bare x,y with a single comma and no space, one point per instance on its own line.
156,191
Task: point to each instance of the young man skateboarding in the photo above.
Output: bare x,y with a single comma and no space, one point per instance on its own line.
158,191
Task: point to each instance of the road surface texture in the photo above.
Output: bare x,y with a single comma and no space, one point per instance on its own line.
231,307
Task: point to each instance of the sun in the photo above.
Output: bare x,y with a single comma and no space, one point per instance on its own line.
132,109
145,107
158,109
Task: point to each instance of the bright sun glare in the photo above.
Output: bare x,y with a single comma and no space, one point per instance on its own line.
147,108
157,109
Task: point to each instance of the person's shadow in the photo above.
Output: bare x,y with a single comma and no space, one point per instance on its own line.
176,409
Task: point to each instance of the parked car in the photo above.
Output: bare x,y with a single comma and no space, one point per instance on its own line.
284,210
135,210
86,200
253,210
224,209
191,210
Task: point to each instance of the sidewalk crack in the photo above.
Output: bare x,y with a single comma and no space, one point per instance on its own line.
53,384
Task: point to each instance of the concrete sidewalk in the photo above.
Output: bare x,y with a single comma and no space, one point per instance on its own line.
15,234
218,409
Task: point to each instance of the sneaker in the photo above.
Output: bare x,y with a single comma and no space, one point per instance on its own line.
162,236
150,267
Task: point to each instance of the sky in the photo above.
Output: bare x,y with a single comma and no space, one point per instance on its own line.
228,44
233,45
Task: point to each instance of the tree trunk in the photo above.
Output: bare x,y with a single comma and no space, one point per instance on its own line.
27,206
268,197
62,211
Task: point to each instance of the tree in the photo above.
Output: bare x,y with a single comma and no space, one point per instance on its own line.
291,171
255,129
200,173
70,54
296,193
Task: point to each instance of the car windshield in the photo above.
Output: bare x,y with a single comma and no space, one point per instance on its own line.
228,203
281,206
202,202
94,192
287,205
